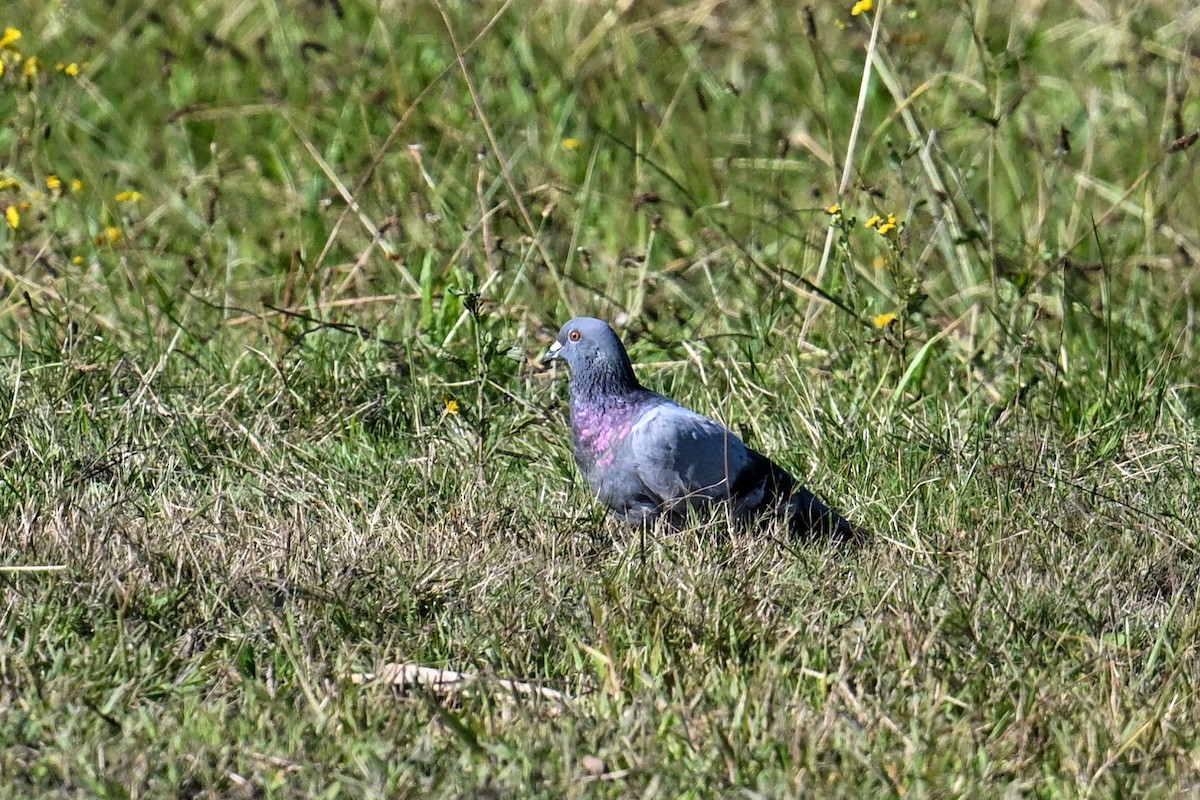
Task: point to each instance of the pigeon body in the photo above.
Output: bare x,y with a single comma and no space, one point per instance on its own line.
647,457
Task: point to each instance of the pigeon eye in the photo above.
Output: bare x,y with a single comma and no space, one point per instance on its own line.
574,336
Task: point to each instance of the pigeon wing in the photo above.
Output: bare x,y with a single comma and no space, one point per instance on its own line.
680,455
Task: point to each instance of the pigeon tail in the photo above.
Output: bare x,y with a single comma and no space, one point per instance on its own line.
809,518
766,485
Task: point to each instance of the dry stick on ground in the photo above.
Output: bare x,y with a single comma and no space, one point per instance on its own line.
34,568
447,682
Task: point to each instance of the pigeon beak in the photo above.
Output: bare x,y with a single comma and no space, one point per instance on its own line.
552,354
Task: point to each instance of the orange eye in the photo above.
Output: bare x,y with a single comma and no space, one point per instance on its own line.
573,336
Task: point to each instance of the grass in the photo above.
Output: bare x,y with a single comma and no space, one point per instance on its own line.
275,420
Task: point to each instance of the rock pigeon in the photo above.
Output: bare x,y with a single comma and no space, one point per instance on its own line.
647,457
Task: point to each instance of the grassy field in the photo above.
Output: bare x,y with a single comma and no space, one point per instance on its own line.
274,279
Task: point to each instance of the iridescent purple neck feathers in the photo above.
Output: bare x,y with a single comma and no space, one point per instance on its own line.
601,421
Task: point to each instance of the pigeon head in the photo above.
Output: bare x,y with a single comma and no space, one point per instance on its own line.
598,361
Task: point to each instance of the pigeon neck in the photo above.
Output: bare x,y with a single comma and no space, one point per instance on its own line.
604,383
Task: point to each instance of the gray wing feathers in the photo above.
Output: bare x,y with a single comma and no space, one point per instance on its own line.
680,454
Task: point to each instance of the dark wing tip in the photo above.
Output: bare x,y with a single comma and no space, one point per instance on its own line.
811,520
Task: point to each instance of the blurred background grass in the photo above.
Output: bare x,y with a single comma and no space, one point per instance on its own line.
272,276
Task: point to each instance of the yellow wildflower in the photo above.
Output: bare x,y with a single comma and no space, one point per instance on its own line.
570,143
31,67
13,216
452,406
10,35
833,209
873,221
886,228
109,235
77,260
883,320
76,185
128,197
862,7
9,183
53,183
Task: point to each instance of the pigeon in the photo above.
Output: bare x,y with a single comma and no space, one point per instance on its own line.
648,458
